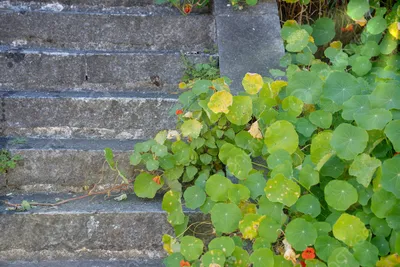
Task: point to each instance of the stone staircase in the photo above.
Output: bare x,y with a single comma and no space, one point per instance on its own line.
77,76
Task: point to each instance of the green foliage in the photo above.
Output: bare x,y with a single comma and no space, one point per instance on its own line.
285,166
8,161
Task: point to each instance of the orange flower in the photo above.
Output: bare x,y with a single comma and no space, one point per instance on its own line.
308,254
187,8
303,264
179,112
349,28
184,263
157,179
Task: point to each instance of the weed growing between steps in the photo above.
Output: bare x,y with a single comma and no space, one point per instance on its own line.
185,6
8,161
193,72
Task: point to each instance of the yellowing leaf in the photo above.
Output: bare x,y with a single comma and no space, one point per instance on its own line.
311,39
362,22
336,45
182,85
389,261
252,83
220,102
394,30
255,131
277,86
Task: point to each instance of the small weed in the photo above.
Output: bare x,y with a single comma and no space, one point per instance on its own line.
8,161
206,71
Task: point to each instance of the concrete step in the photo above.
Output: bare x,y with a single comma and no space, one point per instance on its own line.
63,165
86,263
107,31
85,114
52,70
89,228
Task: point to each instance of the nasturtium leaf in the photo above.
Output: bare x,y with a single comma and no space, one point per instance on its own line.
392,131
194,197
388,44
325,245
340,86
323,228
379,227
210,114
376,25
174,173
280,261
382,244
173,260
201,87
292,105
239,164
358,104
152,164
269,229
213,257
370,49
217,187
171,201
144,185
340,195
240,111
226,217
361,65
191,247
249,225
224,243
382,203
135,158
252,83
260,242
363,168
315,263
357,8
334,167
391,175
349,141
262,257
308,204
255,182
386,95
273,210
285,169
350,230
220,102
241,257
238,193
191,128
305,127
323,31
308,176
176,217
297,41
393,218
321,149
281,189
300,234
342,257
373,119
321,118
281,135
207,206
366,253
306,86
278,157
205,159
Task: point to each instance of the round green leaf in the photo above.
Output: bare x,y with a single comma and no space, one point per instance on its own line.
349,141
357,8
292,105
194,197
274,210
323,228
334,167
376,25
305,127
215,257
241,110
373,119
278,157
380,227
241,257
306,86
323,31
282,190
363,168
315,263
191,247
308,204
382,203
350,229
239,164
340,86
135,158
340,195
252,83
224,243
308,176
255,182
321,118
226,217
280,261
207,206
370,49
159,150
388,44
342,257
382,244
325,245
269,229
191,128
392,131
391,176
297,41
366,253
361,65
201,87
238,193
262,257
217,187
300,234
386,95
281,135
358,104
145,187
321,149
173,260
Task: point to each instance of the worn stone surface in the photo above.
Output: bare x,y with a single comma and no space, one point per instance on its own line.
107,32
124,3
62,115
61,165
86,263
248,41
49,70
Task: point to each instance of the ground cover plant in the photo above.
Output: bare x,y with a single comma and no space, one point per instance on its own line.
303,172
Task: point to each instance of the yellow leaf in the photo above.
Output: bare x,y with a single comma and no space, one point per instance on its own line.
290,22
362,22
248,208
182,85
277,86
394,30
311,39
252,83
389,261
220,102
336,45
255,131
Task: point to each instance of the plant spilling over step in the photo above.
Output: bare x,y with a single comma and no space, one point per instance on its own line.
239,4
8,161
185,6
193,72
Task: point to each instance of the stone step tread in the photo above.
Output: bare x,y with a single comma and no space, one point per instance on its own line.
53,70
87,263
102,31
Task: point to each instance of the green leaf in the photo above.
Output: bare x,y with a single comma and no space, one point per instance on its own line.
334,167
388,44
374,119
269,229
145,187
349,141
340,86
241,257
280,261
323,31
308,176
380,227
238,193
382,203
342,257
240,111
224,243
321,149
205,159
297,41
201,87
370,49
262,257
306,86
239,164
255,182
392,131
305,127
161,137
308,204
281,135
252,83
214,257
357,8
191,128
109,155
292,105
340,195
391,176
350,230
300,234
382,244
321,118
282,190
174,259
363,168
159,150
217,187
323,228
358,104
207,206
325,245
191,247
361,65
135,158
366,253
386,95
278,157
194,197
174,173
152,165
315,263
376,25
251,2
274,210
226,217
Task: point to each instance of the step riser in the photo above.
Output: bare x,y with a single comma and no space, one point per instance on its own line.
150,72
102,3
107,32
